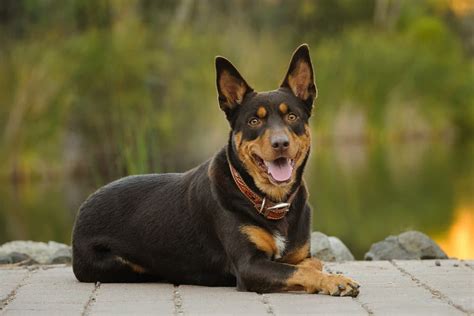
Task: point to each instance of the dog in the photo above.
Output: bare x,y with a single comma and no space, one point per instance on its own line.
239,219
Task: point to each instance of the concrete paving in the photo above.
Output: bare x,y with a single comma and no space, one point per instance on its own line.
428,287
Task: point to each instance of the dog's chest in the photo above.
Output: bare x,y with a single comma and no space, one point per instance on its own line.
280,244
273,243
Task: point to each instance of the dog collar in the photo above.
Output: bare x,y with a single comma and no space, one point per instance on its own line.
264,206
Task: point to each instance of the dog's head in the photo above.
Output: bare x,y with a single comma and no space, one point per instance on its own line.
270,132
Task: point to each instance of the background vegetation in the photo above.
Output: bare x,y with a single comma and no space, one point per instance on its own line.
92,90
108,88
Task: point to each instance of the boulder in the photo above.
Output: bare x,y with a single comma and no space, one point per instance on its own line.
410,245
37,252
5,259
329,248
63,255
341,252
17,257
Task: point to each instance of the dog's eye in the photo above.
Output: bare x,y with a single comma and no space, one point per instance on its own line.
292,117
254,122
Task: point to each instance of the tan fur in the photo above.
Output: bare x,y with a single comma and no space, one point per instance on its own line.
297,255
300,79
238,139
261,112
262,239
232,88
304,144
283,108
299,146
135,267
308,276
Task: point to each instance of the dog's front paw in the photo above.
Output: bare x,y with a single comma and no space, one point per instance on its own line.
312,263
339,285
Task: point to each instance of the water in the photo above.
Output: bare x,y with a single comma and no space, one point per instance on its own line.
359,193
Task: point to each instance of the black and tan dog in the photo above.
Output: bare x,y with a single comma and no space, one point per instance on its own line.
241,218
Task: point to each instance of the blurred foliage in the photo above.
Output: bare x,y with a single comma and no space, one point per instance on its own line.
362,194
107,88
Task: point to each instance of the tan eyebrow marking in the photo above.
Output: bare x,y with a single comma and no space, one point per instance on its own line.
261,112
283,108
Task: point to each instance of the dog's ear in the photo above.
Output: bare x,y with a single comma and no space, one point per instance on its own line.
231,87
300,77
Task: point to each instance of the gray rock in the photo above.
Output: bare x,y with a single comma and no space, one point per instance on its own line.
22,259
19,257
341,252
63,255
409,245
5,259
419,243
39,252
329,248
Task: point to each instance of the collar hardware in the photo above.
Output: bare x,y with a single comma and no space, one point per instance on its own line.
264,206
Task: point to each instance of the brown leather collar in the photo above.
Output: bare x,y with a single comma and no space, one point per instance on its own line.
266,207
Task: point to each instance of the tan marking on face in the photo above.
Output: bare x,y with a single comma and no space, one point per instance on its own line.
304,144
261,112
299,147
261,238
135,267
308,276
283,108
238,139
262,147
297,255
300,79
232,88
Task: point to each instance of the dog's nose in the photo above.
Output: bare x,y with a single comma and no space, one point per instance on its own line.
280,142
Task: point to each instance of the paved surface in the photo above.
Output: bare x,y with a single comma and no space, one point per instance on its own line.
387,288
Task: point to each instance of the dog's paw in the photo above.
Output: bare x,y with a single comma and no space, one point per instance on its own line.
312,263
339,285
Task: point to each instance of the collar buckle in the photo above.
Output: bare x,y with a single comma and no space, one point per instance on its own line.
280,206
262,206
274,211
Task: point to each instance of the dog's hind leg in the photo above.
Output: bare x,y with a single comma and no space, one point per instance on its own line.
98,262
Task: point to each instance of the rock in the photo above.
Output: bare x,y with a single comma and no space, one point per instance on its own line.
417,242
329,248
341,252
320,247
409,245
19,257
63,255
38,252
5,259
388,249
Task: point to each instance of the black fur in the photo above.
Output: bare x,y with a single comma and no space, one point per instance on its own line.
185,228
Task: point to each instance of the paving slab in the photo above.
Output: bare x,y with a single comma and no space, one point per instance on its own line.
9,280
199,300
142,299
50,291
448,279
387,288
310,304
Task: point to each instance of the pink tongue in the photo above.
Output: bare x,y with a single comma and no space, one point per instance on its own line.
280,170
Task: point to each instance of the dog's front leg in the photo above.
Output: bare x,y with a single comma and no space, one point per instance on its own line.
264,275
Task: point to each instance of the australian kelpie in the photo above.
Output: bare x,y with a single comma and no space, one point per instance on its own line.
239,219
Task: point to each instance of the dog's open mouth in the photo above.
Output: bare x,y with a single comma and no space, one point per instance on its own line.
279,170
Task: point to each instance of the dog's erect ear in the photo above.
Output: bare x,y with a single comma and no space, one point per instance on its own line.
300,77
231,87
